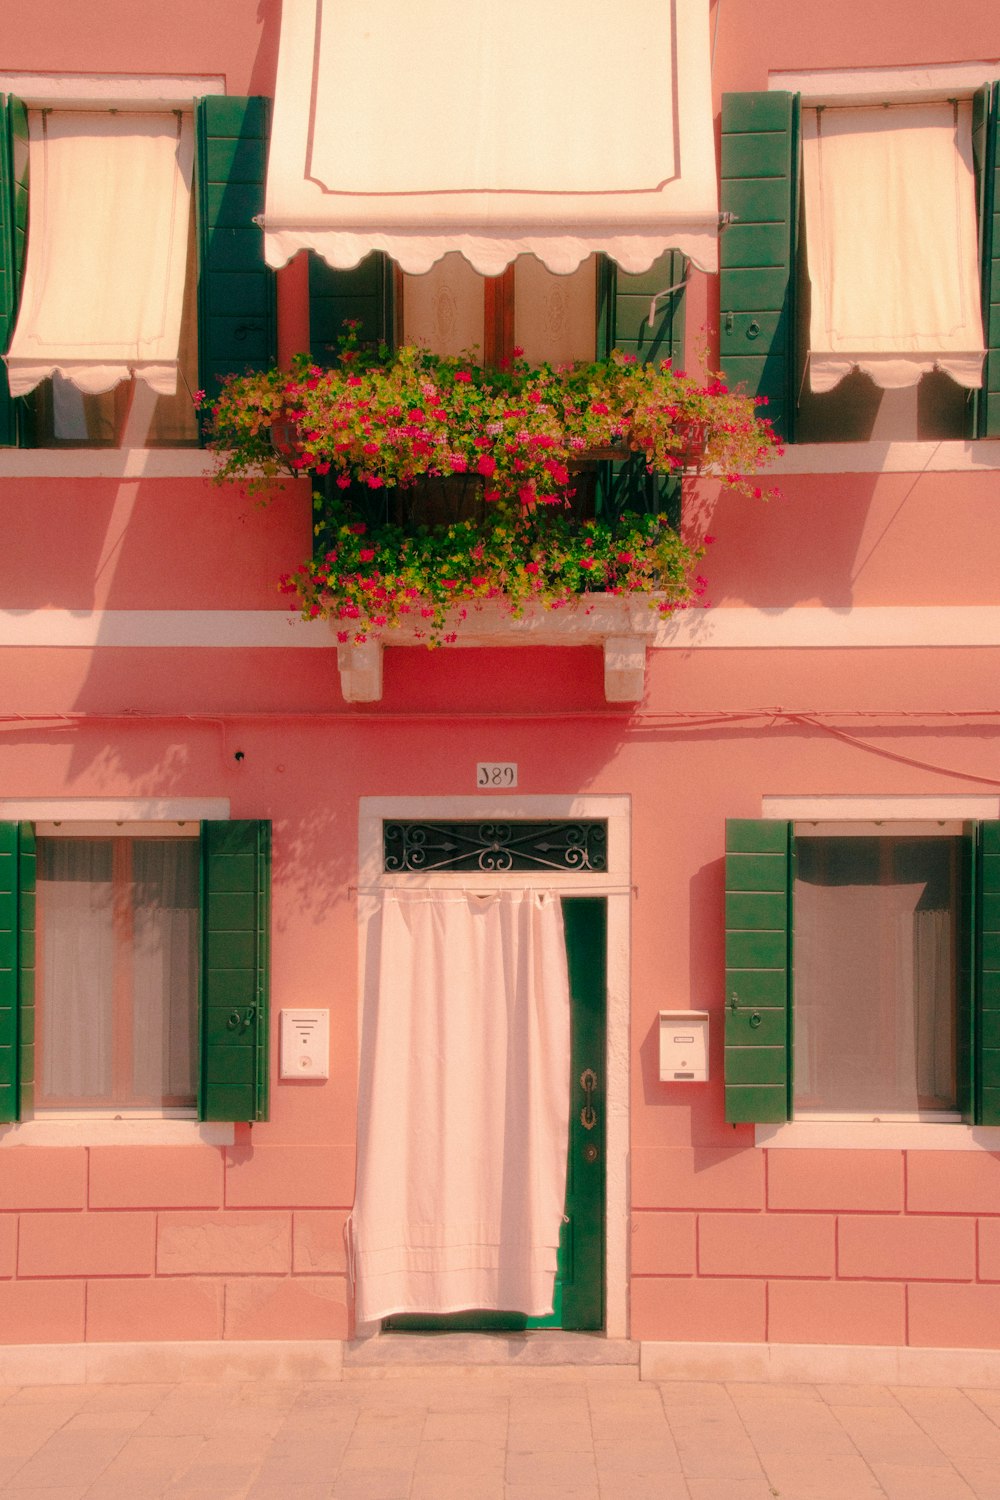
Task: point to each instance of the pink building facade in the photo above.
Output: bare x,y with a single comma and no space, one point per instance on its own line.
833,1205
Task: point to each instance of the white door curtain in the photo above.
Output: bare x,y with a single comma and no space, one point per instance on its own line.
892,243
464,1105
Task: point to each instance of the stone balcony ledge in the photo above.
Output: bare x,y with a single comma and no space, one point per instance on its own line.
622,627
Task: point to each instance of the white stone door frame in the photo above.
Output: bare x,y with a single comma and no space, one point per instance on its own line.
614,885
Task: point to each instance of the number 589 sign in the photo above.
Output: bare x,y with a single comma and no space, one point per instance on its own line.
496,775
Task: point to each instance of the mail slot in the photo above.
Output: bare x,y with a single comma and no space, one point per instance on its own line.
683,1046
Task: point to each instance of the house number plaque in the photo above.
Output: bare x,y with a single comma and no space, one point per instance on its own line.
496,775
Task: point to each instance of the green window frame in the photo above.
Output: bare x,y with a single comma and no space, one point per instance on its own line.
237,327
760,187
759,994
234,978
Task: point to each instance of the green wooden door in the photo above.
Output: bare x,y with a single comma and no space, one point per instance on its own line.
579,1292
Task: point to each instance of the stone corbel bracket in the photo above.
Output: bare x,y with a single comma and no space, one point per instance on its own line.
623,628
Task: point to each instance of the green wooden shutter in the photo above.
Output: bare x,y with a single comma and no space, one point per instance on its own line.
237,328
623,323
986,109
9,954
759,185
13,238
27,864
758,989
362,294
986,978
623,310
236,877
17,968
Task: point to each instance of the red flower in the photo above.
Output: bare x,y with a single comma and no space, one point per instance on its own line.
487,466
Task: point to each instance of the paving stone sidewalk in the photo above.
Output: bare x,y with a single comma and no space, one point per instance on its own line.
497,1434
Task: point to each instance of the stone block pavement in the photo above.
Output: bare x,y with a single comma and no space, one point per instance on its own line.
498,1434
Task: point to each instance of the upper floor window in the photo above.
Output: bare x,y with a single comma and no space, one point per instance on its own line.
858,267
890,327
117,300
105,334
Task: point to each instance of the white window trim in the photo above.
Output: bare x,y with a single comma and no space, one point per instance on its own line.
103,90
615,886
864,85
848,1133
107,1128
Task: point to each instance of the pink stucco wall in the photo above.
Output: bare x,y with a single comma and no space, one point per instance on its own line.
729,1242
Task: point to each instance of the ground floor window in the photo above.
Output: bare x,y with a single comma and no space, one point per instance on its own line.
117,971
875,963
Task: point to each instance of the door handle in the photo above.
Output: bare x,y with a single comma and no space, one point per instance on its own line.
588,1082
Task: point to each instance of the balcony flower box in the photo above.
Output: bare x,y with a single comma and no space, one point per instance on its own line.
442,488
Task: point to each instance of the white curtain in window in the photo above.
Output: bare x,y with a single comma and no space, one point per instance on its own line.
874,1000
493,128
892,244
107,243
464,1108
77,950
164,968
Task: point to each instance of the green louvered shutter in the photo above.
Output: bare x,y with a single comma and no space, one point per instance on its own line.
759,185
17,968
623,323
27,865
237,328
758,989
9,966
13,237
236,878
986,978
986,108
362,294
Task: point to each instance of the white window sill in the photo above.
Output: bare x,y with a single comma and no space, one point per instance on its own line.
105,463
91,1130
877,1135
960,457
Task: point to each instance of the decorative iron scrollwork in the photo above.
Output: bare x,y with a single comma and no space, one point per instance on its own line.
496,847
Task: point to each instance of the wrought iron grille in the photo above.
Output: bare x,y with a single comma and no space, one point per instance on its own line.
496,847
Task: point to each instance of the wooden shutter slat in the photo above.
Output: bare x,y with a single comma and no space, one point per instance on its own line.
757,281
237,329
758,912
235,969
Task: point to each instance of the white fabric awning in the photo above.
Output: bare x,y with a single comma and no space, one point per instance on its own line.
892,244
108,210
495,128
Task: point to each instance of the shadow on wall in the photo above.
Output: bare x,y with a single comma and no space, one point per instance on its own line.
266,62
805,546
